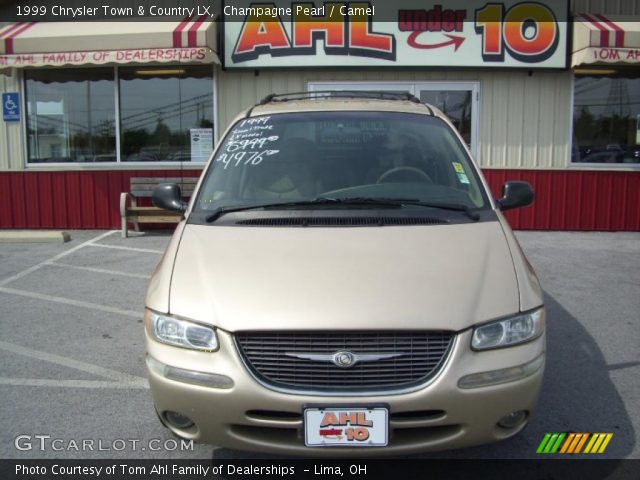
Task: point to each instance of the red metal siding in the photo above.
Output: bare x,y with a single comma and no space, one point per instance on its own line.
565,199
6,213
68,199
574,199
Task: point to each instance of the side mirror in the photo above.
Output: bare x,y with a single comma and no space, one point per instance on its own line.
169,197
515,194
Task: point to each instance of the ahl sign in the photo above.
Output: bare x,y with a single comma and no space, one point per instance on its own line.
524,34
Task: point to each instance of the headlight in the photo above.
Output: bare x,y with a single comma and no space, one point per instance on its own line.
512,331
181,333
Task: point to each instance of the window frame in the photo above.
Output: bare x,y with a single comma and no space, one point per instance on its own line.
118,163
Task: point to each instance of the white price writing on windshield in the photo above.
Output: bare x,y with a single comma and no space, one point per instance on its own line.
244,158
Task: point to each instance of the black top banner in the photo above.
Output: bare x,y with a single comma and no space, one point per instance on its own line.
227,10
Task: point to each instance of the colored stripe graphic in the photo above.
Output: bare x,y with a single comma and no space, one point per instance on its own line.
581,443
574,443
604,32
9,29
598,443
604,445
550,443
543,443
12,32
556,446
619,31
567,443
192,35
177,32
591,443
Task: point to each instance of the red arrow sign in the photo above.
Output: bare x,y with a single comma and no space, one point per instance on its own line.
454,40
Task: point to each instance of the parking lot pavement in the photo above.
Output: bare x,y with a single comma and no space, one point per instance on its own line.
72,349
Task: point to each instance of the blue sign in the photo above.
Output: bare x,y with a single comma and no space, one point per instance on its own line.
11,107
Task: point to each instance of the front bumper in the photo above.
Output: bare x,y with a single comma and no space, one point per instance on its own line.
250,416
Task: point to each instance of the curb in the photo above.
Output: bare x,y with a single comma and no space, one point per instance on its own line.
33,236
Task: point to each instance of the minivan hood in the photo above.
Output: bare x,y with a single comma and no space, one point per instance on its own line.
293,278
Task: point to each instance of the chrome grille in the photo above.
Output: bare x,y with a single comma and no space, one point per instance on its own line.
270,356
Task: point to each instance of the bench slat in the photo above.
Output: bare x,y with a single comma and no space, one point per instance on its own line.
149,210
156,219
157,180
150,187
148,193
161,213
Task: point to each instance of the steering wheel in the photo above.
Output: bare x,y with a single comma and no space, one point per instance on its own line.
415,171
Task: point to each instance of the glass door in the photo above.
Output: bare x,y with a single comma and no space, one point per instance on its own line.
457,100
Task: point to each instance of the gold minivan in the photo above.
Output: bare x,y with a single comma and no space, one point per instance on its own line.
342,282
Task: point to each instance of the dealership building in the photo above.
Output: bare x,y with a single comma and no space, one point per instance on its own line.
546,91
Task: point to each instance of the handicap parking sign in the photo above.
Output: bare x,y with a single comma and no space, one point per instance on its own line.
11,107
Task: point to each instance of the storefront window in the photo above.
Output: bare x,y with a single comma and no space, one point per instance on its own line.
606,117
166,114
71,115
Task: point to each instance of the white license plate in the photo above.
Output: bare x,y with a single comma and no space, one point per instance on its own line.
346,427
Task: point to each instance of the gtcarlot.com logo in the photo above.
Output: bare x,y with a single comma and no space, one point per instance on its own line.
47,442
574,443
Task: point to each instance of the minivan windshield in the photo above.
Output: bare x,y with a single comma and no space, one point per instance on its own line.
325,159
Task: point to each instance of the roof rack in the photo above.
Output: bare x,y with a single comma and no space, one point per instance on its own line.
324,94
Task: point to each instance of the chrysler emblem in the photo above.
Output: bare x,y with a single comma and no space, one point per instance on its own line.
344,359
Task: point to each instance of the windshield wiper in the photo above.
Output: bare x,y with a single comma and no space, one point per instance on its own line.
382,202
371,201
475,216
458,207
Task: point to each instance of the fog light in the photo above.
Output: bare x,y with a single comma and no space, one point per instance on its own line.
513,419
178,420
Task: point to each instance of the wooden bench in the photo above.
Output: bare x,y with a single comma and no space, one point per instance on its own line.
142,187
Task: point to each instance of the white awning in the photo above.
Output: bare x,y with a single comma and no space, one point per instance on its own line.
34,44
605,40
